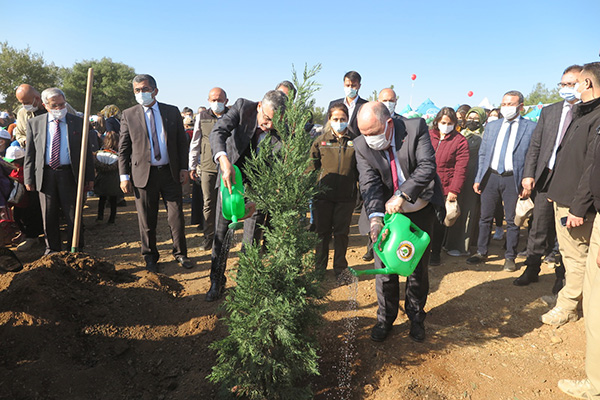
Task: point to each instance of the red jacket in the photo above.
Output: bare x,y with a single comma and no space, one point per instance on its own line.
451,157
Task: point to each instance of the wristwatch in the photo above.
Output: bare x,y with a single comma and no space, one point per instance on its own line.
400,193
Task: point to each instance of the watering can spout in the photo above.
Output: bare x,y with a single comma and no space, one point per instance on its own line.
374,271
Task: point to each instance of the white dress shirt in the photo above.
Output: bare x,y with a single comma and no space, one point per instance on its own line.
351,106
65,158
508,161
566,107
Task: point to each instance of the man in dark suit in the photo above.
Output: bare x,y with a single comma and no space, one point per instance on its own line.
352,100
537,174
396,166
499,172
153,158
52,165
233,139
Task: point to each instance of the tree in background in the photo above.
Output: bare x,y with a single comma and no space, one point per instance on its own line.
272,312
319,115
112,84
23,66
541,94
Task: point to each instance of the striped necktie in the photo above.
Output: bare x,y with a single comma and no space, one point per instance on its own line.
55,149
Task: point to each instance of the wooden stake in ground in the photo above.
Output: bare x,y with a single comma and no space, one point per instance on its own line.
82,162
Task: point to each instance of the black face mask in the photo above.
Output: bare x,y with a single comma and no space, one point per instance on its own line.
472,125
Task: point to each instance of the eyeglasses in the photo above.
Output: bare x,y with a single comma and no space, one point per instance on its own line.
265,116
561,85
144,89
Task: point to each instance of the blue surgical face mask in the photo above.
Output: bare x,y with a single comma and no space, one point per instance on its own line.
567,93
338,127
350,92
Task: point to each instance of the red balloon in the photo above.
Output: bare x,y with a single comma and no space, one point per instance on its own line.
413,77
470,93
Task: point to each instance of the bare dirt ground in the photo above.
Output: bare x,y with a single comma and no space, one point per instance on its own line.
100,327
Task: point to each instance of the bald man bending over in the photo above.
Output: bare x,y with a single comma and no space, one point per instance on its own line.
396,166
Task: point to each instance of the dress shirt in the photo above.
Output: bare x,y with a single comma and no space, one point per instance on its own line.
162,139
351,106
508,162
565,109
401,177
65,158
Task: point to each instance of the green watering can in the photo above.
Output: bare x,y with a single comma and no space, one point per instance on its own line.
233,205
401,250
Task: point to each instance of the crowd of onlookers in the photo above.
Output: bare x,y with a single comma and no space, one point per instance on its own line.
471,172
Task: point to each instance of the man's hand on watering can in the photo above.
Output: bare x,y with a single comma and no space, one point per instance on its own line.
250,210
394,205
376,226
227,172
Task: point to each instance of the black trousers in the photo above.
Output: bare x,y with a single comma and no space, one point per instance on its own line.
197,201
58,196
332,217
499,189
542,233
417,284
160,183
253,233
29,218
112,200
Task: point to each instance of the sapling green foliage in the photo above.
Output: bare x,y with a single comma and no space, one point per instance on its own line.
271,348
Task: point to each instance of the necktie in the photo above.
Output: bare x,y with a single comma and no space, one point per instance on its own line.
155,145
55,148
504,149
566,123
394,169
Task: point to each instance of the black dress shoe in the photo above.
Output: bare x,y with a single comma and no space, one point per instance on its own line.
528,276
185,262
214,292
476,259
207,244
152,266
417,331
368,256
380,331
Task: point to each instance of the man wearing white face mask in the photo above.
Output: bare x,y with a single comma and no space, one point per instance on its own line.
202,166
397,173
538,172
52,165
351,100
153,161
388,97
499,171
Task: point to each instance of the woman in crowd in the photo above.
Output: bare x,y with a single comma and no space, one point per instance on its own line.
452,158
465,230
461,115
111,118
332,155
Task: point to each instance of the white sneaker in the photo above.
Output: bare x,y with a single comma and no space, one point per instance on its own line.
498,234
26,245
558,317
575,388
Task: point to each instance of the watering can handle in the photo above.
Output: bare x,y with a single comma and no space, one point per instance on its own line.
382,237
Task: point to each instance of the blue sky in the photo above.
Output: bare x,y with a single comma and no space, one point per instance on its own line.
247,47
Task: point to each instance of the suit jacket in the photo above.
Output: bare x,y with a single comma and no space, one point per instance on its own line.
486,150
134,144
35,152
542,144
353,123
417,161
233,133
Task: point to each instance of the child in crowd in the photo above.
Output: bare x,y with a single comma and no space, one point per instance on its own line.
106,184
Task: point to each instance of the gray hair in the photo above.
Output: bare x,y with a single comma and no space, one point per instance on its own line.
515,93
50,93
145,77
276,100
